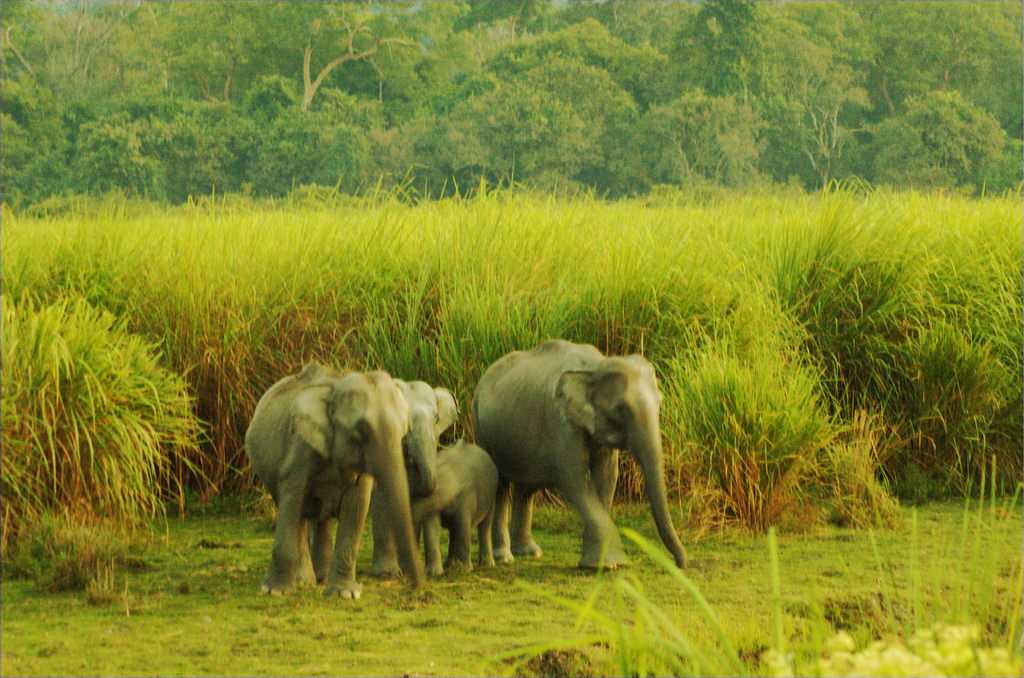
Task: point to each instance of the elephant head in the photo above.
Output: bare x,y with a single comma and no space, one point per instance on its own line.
432,411
616,404
357,422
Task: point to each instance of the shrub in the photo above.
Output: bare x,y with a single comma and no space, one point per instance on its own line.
121,153
61,553
92,425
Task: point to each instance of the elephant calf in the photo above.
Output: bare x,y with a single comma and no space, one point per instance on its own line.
463,498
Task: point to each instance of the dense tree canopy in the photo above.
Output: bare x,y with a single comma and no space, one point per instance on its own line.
171,100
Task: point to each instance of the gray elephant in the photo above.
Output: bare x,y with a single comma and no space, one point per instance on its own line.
318,440
463,499
432,411
555,417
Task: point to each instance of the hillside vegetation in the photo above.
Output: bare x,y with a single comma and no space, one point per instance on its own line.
817,353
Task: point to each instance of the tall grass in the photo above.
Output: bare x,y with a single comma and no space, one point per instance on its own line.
951,607
92,425
803,309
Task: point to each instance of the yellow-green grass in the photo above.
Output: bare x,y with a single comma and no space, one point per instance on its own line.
775,321
195,608
93,426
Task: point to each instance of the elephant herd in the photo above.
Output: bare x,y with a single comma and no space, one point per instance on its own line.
330,444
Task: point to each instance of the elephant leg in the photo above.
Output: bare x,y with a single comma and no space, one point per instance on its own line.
459,536
432,545
522,523
604,471
485,555
602,546
385,558
355,504
322,547
284,559
306,575
499,529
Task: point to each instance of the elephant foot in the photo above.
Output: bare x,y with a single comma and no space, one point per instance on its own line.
503,555
528,549
348,590
386,570
485,561
307,578
459,566
606,563
435,570
276,585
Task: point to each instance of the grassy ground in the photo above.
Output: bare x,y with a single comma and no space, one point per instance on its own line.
193,609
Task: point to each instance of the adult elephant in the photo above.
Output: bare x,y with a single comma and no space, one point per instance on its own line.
318,440
555,417
432,411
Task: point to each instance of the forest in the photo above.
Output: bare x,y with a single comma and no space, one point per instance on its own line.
783,238
174,100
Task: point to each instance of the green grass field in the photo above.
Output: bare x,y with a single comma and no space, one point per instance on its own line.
194,609
821,357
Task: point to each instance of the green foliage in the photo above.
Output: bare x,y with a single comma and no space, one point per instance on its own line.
210,148
950,620
34,142
720,47
697,138
60,553
303,148
121,153
939,140
774,322
757,425
270,97
92,425
563,97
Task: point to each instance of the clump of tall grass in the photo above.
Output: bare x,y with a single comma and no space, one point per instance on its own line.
236,293
91,423
853,493
747,411
60,552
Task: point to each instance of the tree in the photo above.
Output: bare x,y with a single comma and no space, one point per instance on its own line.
941,140
560,118
810,95
347,32
697,137
719,49
299,148
211,43
120,153
919,47
638,70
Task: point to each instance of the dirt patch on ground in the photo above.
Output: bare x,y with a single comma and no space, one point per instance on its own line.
558,664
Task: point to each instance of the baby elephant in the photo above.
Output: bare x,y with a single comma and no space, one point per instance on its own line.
463,498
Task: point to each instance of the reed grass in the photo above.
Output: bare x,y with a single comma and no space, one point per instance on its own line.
771,319
92,425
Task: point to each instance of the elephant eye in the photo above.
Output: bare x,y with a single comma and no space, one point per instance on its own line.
622,412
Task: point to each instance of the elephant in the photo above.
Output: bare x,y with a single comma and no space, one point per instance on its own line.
432,411
318,440
556,417
463,498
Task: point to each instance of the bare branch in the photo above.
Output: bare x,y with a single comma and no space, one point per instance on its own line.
8,42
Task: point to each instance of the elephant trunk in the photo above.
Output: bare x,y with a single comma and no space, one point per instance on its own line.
423,454
393,486
645,444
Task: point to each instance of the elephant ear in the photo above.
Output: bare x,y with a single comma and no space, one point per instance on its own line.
572,395
310,420
447,410
351,415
